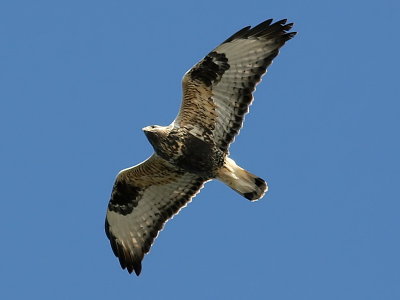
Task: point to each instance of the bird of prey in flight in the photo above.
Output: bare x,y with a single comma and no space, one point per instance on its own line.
194,148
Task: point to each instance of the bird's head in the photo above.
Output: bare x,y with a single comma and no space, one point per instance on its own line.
152,128
156,134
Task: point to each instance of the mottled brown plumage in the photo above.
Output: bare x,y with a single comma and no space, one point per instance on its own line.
195,147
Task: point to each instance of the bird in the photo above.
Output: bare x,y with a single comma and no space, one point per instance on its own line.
194,148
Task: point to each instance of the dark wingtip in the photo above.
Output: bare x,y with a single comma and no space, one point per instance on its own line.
132,263
291,34
137,266
267,22
126,259
266,28
288,26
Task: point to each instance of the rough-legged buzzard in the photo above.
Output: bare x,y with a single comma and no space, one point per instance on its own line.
193,149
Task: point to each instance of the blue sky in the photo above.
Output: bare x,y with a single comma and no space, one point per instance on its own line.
79,79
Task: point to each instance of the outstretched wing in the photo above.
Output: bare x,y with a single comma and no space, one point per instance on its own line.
218,90
143,198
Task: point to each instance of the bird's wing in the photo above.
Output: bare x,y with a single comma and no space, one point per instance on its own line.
217,91
143,198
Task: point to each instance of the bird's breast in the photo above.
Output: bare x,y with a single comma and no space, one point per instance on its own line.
199,157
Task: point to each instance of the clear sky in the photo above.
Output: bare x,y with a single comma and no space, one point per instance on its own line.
78,81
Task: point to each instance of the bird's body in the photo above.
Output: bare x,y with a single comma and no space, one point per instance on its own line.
195,147
186,151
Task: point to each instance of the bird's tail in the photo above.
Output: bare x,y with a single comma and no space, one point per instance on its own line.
248,185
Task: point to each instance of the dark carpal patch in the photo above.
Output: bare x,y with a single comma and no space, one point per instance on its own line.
124,198
211,68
